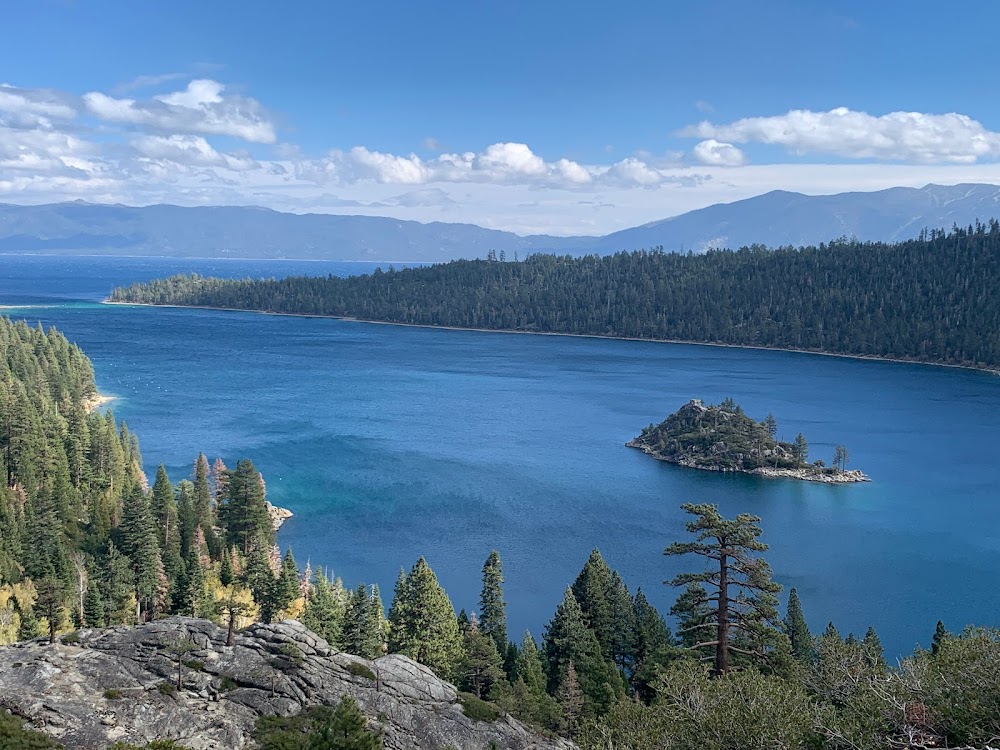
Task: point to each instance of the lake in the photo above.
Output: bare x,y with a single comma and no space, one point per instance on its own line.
390,442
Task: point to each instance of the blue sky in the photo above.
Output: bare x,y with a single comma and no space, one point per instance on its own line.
558,117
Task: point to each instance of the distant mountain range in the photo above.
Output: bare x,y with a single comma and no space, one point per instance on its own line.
775,218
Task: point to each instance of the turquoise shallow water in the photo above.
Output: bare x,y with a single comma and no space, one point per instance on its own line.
390,442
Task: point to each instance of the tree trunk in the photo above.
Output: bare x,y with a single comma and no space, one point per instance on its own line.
722,635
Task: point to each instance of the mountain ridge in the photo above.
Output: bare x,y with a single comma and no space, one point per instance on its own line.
775,218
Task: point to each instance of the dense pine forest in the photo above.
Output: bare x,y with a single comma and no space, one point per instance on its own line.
930,299
86,542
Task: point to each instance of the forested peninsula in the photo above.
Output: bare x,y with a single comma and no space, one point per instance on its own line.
723,438
931,299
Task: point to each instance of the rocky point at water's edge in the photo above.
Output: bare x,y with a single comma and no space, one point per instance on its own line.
277,515
107,687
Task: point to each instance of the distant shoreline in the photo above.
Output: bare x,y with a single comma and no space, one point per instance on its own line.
209,257
863,357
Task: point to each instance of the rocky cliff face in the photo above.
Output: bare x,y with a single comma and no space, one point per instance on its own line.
114,685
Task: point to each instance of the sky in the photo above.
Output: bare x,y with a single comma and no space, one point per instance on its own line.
536,117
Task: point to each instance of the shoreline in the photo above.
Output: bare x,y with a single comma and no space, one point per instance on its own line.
349,319
807,474
211,257
96,401
277,515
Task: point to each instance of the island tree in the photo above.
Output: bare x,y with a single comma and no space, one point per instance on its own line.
736,597
840,457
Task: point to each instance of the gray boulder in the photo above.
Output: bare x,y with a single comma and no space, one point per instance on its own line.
119,684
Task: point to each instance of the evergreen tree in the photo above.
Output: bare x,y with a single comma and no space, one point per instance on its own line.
528,666
51,604
93,606
346,729
243,509
28,627
286,587
568,639
492,607
325,610
479,667
140,544
194,598
259,579
940,634
840,457
117,585
591,590
871,648
654,646
203,509
422,621
623,624
803,647
226,572
742,601
771,425
380,625
571,699
651,631
362,634
801,448
163,506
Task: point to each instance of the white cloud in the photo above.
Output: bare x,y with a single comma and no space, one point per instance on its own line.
192,150
632,171
361,163
201,108
498,163
32,108
896,136
718,154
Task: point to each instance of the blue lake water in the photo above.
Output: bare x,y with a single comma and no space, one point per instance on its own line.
391,442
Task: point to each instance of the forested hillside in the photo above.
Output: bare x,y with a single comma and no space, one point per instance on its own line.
931,299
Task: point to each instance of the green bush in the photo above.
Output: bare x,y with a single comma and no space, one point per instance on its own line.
167,688
477,709
13,735
695,712
360,670
194,664
112,694
70,638
227,683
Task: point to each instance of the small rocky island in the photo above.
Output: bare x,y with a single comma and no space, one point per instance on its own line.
724,438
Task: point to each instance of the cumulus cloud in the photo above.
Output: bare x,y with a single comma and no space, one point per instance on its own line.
717,154
192,150
201,108
498,163
896,136
33,108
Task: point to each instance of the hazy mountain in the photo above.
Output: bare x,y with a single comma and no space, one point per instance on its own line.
776,218
783,218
